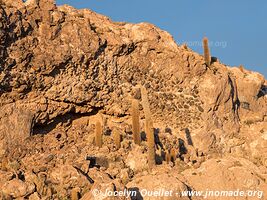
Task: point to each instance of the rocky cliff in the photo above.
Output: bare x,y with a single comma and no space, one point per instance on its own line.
61,69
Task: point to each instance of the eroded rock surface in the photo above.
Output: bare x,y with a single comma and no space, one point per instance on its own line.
63,69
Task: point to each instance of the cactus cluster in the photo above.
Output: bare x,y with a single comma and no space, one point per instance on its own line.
149,129
171,153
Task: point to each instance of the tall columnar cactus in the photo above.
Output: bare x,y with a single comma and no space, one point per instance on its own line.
98,134
173,155
167,156
242,69
206,51
117,138
74,194
4,163
148,128
136,122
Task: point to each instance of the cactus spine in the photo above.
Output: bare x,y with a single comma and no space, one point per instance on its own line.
98,134
206,51
135,122
148,128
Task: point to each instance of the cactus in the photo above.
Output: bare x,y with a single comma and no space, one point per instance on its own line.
148,128
75,194
206,51
117,138
173,155
4,163
98,134
167,156
242,69
104,123
135,122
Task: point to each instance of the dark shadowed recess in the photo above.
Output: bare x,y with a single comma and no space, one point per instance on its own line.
65,119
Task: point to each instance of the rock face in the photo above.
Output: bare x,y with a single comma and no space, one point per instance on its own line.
61,69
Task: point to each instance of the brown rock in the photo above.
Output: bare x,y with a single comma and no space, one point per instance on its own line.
137,160
34,196
17,188
165,186
231,174
102,184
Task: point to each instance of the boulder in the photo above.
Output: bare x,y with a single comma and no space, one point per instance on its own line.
17,188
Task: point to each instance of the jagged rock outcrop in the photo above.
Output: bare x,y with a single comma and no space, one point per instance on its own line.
59,64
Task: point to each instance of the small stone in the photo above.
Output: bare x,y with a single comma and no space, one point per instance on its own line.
49,158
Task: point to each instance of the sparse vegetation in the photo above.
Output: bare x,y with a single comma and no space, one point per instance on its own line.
242,69
117,138
98,134
167,156
207,56
149,129
135,122
173,154
74,194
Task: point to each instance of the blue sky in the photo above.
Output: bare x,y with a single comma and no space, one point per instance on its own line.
237,29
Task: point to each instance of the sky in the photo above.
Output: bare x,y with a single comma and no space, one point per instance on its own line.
236,29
